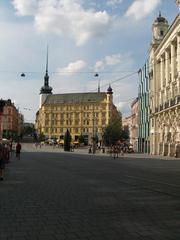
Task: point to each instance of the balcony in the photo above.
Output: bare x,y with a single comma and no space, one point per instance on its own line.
156,109
166,105
177,99
172,102
161,107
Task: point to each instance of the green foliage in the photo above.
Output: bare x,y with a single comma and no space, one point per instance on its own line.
125,134
29,129
112,133
41,137
81,139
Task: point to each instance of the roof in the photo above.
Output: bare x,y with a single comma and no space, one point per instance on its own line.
169,32
75,98
161,19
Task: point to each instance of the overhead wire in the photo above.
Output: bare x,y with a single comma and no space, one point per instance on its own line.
99,72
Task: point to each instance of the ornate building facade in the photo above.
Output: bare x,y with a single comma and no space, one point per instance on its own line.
11,121
134,125
85,114
165,87
130,124
144,110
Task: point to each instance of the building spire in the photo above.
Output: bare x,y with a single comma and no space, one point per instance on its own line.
99,89
46,77
47,60
46,89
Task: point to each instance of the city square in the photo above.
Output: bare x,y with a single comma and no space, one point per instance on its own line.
51,195
90,120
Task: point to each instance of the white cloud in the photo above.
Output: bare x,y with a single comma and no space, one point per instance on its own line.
108,61
142,8
66,17
114,3
25,7
72,68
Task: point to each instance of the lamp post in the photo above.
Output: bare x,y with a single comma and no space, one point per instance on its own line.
93,135
2,103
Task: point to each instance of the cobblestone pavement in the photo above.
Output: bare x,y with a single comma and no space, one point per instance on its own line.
69,196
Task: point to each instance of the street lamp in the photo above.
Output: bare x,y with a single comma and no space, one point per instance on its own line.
23,75
93,147
97,75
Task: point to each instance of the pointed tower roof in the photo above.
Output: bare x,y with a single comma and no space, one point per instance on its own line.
46,88
161,19
99,89
109,90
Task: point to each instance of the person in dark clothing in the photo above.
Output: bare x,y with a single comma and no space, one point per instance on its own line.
18,150
2,161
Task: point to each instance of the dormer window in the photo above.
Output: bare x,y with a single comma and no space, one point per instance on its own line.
161,33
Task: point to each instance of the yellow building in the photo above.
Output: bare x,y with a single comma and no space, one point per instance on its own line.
84,114
165,87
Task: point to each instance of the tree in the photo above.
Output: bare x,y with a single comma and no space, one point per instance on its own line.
41,137
81,139
29,129
125,134
55,139
112,133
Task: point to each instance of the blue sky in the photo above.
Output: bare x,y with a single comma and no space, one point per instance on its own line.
111,37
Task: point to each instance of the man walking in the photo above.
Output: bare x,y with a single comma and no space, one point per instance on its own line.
18,150
2,161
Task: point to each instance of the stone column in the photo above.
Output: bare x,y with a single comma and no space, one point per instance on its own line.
178,53
162,72
167,61
173,61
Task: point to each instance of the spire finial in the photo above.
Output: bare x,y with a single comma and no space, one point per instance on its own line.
99,89
159,13
47,60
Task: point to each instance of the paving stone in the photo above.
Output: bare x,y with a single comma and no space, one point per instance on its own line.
80,197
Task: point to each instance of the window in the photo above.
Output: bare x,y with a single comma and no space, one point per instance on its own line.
103,122
62,136
161,33
103,114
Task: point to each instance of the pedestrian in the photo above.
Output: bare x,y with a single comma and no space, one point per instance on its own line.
18,150
2,162
11,147
114,151
90,149
6,153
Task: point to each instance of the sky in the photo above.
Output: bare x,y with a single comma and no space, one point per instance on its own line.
84,37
